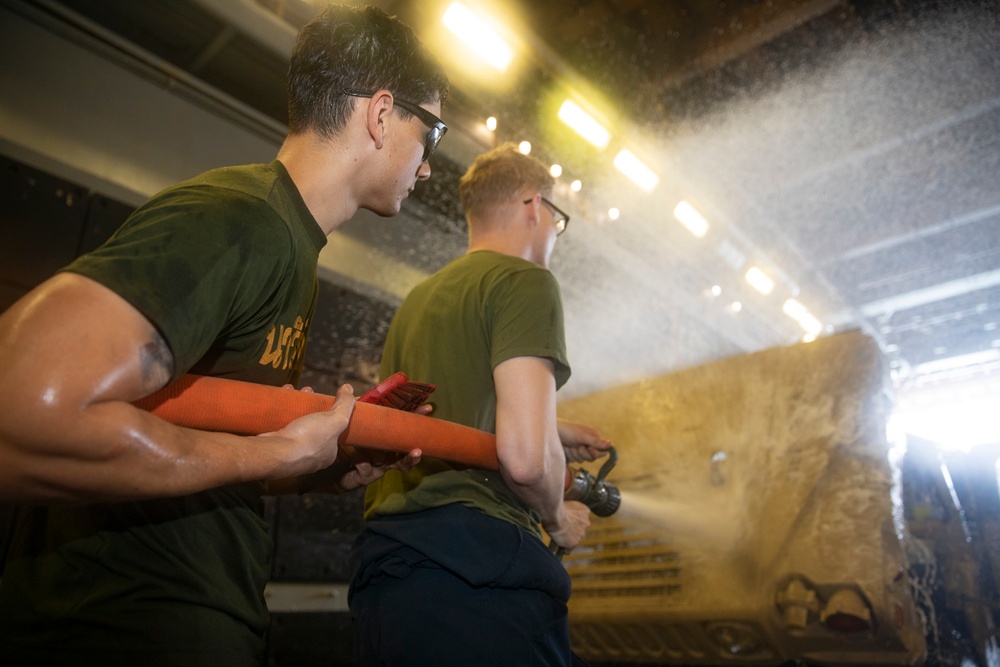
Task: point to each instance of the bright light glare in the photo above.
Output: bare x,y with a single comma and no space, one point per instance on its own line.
958,426
806,320
491,124
614,213
524,147
690,217
478,35
760,280
556,170
810,324
576,185
636,170
584,125
736,306
794,309
716,290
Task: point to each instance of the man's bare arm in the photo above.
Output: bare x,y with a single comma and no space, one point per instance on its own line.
531,455
73,355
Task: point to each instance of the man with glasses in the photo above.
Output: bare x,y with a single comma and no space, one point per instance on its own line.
142,543
451,567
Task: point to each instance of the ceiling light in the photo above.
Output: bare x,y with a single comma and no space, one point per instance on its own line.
794,309
760,280
636,170
806,320
576,185
716,290
478,35
491,124
556,170
736,306
584,124
691,218
524,147
810,324
614,213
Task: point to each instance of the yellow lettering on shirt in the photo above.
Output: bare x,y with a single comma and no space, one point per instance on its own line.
285,345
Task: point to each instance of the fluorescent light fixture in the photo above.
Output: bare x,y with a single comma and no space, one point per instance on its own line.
806,320
584,124
760,280
794,309
689,216
524,147
478,35
636,170
810,324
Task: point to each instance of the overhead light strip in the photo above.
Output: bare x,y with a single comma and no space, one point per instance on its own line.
689,216
478,35
584,124
636,170
760,281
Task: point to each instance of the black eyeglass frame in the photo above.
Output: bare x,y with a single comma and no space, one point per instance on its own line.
437,126
559,216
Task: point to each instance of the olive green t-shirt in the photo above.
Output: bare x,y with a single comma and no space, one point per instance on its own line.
224,266
452,330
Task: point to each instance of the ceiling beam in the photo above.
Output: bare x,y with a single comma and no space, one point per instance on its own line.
922,297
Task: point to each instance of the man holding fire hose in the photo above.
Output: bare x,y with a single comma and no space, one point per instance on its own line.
451,567
139,542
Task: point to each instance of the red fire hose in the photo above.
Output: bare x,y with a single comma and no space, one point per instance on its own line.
245,408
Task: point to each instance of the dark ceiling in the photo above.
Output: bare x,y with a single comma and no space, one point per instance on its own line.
849,147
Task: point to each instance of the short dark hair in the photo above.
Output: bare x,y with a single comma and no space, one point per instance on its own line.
357,49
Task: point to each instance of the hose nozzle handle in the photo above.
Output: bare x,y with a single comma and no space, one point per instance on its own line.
602,498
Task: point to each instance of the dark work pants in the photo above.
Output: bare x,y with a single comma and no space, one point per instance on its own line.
433,618
453,587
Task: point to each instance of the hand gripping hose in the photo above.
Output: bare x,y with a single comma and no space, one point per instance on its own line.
245,408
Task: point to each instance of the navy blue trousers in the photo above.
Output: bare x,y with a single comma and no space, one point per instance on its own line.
452,586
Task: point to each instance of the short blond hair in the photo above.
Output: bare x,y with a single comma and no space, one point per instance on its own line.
497,176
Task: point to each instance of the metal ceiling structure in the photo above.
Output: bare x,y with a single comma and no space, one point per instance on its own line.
847,148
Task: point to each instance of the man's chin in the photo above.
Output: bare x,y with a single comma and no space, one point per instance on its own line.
385,211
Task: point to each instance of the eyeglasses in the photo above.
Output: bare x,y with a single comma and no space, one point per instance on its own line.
438,128
559,217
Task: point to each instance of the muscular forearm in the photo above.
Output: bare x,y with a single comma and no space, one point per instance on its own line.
73,355
113,451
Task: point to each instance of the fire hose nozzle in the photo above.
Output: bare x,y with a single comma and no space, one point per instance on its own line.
601,497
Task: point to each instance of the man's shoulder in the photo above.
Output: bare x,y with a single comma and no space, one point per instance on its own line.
253,181
495,263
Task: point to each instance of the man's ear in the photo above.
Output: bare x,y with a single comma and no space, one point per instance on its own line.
532,209
379,108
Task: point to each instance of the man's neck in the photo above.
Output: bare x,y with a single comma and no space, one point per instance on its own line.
505,244
323,174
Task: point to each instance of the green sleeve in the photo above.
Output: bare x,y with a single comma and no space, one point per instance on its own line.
526,317
195,262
